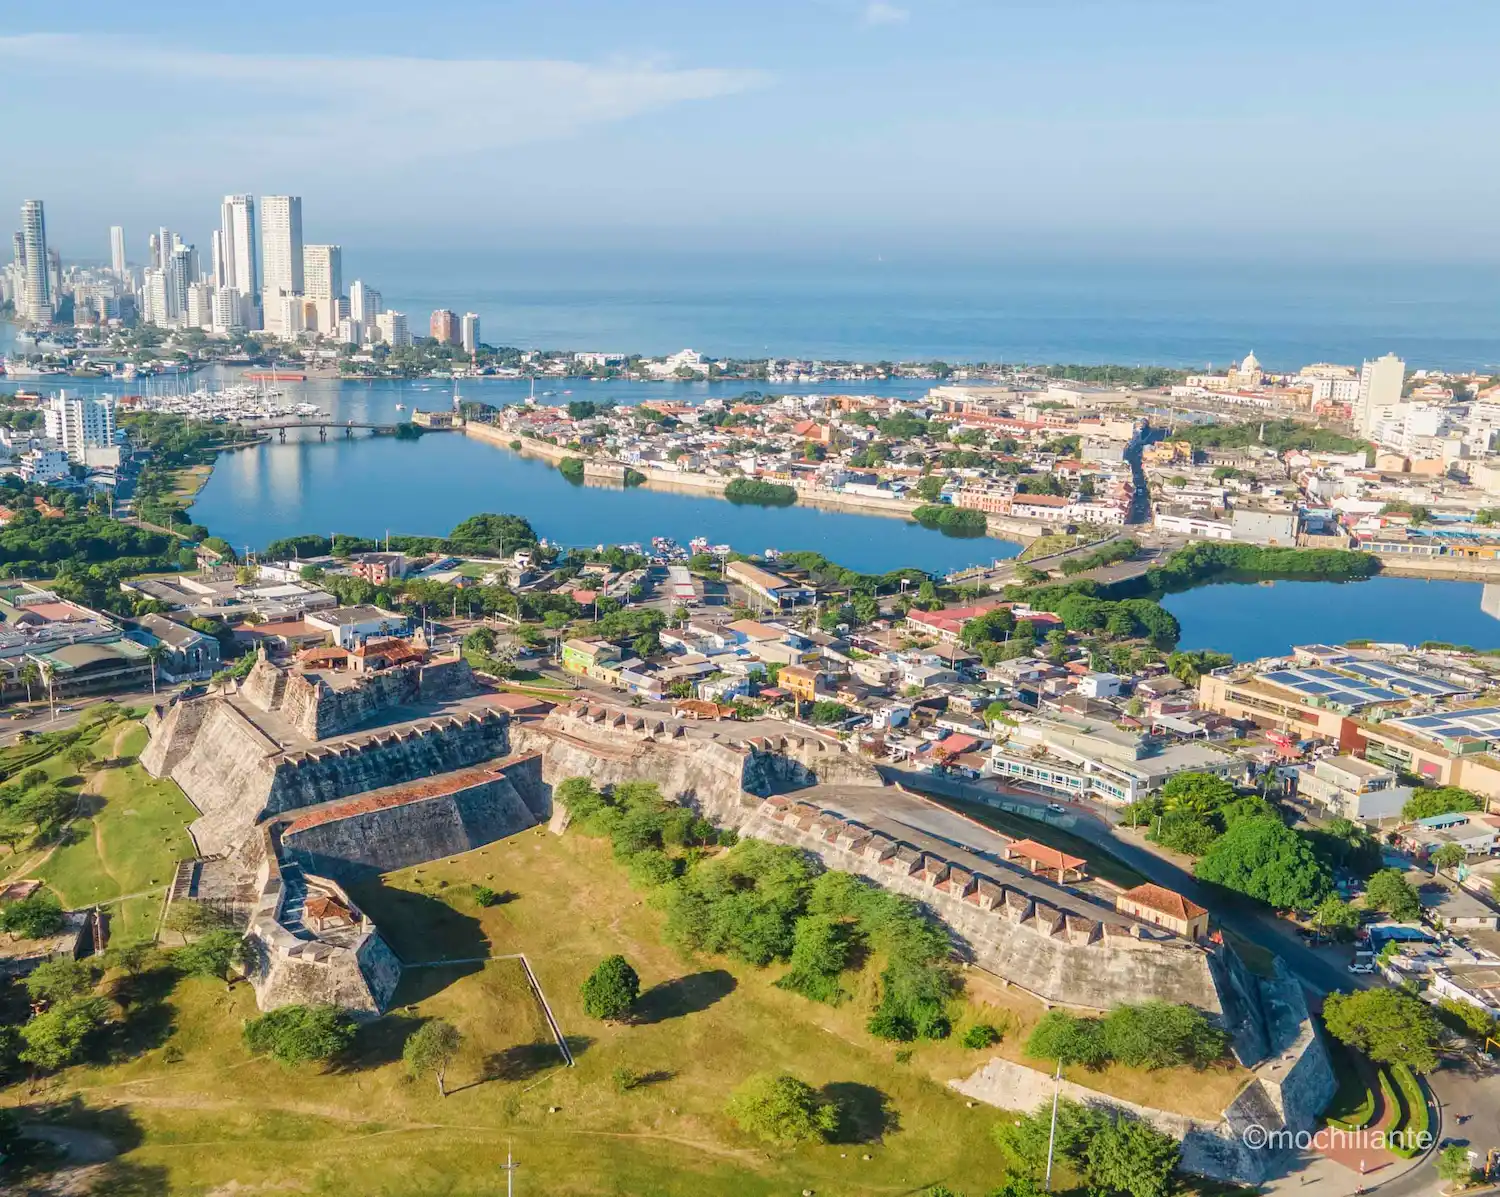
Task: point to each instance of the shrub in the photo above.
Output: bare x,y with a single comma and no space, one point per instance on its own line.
980,1036
298,1034
485,896
782,1110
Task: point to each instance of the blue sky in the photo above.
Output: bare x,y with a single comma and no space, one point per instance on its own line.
1344,129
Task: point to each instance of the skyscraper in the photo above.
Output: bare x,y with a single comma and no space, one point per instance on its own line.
323,278
166,242
391,327
37,307
281,244
77,423
1380,385
471,332
443,327
181,273
117,250
240,250
364,303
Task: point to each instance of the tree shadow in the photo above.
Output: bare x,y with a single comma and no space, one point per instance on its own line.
683,995
502,897
865,1113
526,1060
378,1041
149,1018
121,1179
89,805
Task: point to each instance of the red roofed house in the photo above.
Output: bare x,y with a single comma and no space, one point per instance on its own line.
1163,907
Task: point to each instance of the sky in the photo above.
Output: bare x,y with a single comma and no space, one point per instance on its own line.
1191,129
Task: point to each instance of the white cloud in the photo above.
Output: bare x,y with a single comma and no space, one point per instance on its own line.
880,13
395,109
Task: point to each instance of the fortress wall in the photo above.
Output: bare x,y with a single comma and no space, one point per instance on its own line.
442,680
264,685
302,695
172,731
525,775
226,773
1036,950
337,711
369,841
323,774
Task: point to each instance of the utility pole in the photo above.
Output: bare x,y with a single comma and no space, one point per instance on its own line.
509,1168
1052,1134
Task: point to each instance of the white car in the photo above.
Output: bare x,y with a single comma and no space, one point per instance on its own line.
1362,968
1057,808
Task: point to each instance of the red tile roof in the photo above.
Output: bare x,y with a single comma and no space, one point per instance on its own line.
1158,897
1043,855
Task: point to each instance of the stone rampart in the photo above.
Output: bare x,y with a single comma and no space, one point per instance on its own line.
326,772
357,972
1053,953
225,767
405,825
172,730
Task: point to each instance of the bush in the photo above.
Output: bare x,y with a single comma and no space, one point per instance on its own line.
980,1036
760,494
298,1034
485,896
33,917
1149,1035
783,1110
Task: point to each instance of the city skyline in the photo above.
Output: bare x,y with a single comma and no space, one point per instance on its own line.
842,127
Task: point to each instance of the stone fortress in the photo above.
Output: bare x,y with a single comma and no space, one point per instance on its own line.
338,766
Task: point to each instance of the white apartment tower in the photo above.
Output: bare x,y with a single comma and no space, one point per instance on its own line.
117,250
323,278
470,332
228,314
281,244
364,303
1380,385
77,423
239,249
37,306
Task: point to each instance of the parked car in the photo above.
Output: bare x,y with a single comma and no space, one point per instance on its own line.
1362,968
1057,808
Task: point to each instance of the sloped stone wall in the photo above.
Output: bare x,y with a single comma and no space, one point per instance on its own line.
226,772
366,842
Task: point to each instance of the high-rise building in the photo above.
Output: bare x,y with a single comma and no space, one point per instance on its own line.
181,274
228,314
364,303
117,250
79,423
154,305
198,311
18,249
350,331
443,327
470,332
166,242
219,257
1380,385
281,244
392,329
323,280
240,250
38,299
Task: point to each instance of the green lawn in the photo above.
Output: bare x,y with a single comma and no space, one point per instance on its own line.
131,841
204,1118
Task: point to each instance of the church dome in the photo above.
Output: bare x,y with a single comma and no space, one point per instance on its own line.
1250,365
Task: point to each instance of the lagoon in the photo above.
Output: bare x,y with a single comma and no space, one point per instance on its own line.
370,486
1251,620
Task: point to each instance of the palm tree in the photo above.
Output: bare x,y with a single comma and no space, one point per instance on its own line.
154,654
48,674
30,676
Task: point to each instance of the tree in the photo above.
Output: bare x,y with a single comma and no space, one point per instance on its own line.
1130,1156
154,654
1440,800
1158,1034
133,957
980,1036
1391,892
47,807
431,1048
1265,859
214,955
1199,794
55,1039
30,676
645,644
611,989
299,1034
1448,856
1388,1025
1453,1165
782,1110
1337,918
34,917
58,980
